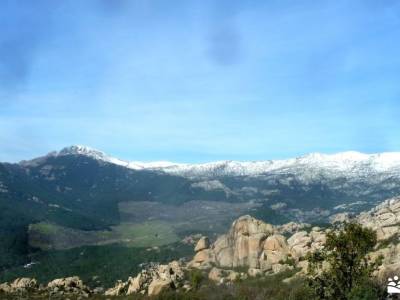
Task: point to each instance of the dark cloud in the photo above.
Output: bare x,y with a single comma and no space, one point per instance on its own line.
224,40
16,54
112,7
225,46
23,26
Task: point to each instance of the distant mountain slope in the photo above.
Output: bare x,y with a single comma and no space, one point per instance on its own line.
314,181
76,191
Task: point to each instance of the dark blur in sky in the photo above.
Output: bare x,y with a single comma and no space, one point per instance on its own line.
195,81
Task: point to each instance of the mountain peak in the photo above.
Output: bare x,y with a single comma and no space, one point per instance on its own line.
81,150
93,153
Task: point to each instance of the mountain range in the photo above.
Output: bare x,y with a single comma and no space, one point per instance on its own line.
82,192
349,163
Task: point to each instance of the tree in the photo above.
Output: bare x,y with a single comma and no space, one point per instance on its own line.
343,268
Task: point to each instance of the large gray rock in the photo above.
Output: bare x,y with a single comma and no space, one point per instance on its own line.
202,244
157,285
69,285
276,249
243,245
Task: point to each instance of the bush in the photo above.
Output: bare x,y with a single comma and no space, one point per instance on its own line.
196,278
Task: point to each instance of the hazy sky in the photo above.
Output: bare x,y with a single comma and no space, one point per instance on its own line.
195,81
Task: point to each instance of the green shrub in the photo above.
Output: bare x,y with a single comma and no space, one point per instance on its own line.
196,278
348,269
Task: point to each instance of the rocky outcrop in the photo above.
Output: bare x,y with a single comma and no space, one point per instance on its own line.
151,281
291,228
70,285
120,288
390,260
243,245
384,218
301,243
202,244
19,285
63,287
264,248
276,249
204,256
257,245
157,285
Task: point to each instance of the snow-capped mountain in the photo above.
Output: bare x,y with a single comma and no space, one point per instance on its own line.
103,157
308,188
348,164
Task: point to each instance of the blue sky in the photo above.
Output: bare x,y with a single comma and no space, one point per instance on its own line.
195,81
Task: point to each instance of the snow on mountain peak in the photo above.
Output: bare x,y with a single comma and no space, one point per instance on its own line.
81,150
350,163
90,152
99,155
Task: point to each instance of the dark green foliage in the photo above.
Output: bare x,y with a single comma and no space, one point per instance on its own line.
289,261
270,287
269,215
109,263
348,269
196,278
368,290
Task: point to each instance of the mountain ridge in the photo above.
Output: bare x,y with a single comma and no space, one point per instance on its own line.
348,162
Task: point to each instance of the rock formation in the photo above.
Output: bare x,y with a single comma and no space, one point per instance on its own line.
384,218
19,285
257,245
151,280
70,286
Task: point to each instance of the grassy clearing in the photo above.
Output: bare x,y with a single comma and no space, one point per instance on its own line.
48,236
147,234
